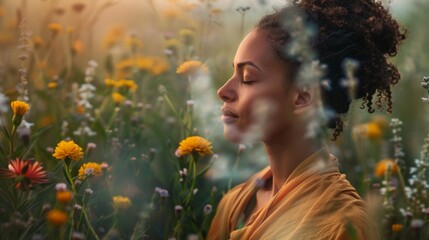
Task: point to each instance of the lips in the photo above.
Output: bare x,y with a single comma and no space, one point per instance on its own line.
228,116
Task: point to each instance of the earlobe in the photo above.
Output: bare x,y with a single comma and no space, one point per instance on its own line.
304,98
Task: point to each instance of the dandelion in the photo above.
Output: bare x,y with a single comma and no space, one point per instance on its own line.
121,203
57,218
118,98
64,196
25,172
191,67
381,167
88,169
55,28
68,149
194,144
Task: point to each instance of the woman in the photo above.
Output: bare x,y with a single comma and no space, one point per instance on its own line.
302,195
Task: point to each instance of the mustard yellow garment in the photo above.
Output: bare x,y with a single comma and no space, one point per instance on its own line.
315,202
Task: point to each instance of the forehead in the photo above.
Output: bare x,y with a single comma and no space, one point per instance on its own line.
255,47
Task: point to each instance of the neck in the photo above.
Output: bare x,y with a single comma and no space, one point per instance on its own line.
285,155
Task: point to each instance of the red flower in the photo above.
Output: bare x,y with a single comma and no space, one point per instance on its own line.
26,173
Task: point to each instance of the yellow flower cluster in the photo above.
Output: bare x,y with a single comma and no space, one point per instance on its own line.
191,67
122,83
68,149
153,65
89,169
19,107
194,144
120,202
381,167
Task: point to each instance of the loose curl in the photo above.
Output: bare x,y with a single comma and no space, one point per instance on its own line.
362,30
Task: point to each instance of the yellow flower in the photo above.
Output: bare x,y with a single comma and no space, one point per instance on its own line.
194,144
64,196
370,130
191,67
188,36
52,85
88,169
118,98
77,47
55,27
57,218
110,82
381,167
173,45
38,42
19,107
120,202
130,84
373,131
68,149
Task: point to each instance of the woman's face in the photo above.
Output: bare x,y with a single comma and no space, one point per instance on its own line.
258,98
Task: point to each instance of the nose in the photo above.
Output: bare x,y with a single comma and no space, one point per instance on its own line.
227,92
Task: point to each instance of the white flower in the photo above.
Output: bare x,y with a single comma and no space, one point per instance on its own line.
4,106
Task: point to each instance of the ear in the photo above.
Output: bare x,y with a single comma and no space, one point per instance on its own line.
304,99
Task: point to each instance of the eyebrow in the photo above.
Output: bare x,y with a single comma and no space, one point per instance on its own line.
242,64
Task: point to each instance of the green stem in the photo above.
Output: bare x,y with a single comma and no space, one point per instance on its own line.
12,135
402,183
88,222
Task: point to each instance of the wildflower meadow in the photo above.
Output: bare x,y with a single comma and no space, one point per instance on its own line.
110,123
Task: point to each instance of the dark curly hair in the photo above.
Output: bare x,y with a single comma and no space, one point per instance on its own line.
362,30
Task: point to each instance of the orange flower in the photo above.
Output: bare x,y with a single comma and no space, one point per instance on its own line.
191,67
381,167
68,149
55,27
397,227
25,172
57,218
194,144
19,107
64,196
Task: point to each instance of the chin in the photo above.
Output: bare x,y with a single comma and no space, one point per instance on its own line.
232,134
235,135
